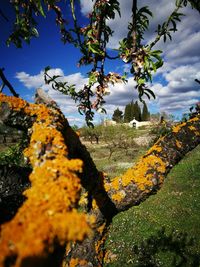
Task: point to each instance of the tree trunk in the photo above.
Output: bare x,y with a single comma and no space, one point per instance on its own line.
62,172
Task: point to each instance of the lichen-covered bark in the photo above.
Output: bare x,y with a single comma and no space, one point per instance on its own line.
48,218
56,155
148,174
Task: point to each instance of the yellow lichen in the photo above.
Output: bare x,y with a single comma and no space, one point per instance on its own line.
192,128
118,196
178,127
156,148
48,214
75,262
101,228
115,184
178,144
139,173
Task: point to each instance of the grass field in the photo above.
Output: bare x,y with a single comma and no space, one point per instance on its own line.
165,229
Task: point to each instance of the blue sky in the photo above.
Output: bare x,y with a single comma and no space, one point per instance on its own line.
174,85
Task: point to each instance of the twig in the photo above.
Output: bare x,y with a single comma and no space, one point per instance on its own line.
7,83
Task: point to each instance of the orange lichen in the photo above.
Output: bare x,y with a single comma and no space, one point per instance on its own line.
48,213
101,228
139,173
83,201
178,127
94,204
98,248
178,144
155,148
75,262
115,184
192,128
118,196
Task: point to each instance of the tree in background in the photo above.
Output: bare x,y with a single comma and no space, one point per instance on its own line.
117,115
132,110
136,111
127,113
145,112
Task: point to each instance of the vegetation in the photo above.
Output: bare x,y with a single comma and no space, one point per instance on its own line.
166,235
64,178
116,143
145,113
12,156
133,110
117,115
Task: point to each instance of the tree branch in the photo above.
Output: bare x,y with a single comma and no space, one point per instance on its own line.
134,29
196,80
7,83
3,15
52,140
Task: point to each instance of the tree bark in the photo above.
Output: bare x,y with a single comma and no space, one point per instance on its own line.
100,198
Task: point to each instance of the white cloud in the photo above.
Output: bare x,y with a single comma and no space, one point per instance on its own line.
86,6
30,81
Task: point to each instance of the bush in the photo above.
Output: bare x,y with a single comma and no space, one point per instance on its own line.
13,156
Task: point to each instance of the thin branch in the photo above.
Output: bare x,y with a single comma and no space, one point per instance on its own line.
196,80
134,30
157,39
7,83
3,15
76,27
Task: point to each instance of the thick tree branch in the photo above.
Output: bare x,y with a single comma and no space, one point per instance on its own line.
54,145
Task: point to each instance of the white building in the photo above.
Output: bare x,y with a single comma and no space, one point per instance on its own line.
136,124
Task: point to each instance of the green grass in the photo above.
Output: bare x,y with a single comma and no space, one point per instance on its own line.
165,229
121,158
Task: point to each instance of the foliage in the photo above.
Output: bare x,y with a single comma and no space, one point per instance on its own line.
92,39
127,113
13,156
145,112
133,110
136,111
117,115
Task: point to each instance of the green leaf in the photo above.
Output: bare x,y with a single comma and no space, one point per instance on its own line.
92,78
40,8
146,10
159,64
141,81
47,68
34,32
153,66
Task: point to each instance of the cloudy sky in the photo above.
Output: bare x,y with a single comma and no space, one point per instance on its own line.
174,85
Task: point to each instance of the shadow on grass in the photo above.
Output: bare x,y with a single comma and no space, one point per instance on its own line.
174,249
